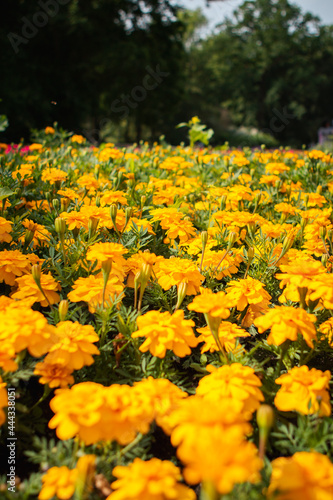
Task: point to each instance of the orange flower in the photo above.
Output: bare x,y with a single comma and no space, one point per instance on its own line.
165,398
234,381
304,391
165,331
5,229
174,271
91,290
55,375
74,346
28,289
151,480
109,252
248,292
286,323
13,263
95,413
24,328
305,475
297,275
3,401
228,334
53,175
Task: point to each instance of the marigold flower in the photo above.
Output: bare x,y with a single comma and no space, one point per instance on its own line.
165,331
55,375
174,271
113,252
165,398
232,381
3,401
74,346
215,304
287,323
59,482
7,356
28,289
5,229
26,329
13,263
90,290
210,440
304,391
151,480
53,175
228,334
296,275
306,475
248,292
95,413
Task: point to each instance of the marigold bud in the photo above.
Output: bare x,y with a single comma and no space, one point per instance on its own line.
92,226
319,189
204,238
63,310
265,417
232,239
28,237
250,254
60,225
56,204
322,232
113,212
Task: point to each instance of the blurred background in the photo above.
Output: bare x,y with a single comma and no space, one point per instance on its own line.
259,71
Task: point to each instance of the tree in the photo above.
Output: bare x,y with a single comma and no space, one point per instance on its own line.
268,66
76,61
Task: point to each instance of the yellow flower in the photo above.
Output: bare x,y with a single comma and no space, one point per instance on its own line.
297,275
24,328
165,331
112,252
234,381
151,480
13,263
174,271
79,139
28,289
305,475
5,229
53,175
215,304
74,346
304,391
228,334
49,130
3,401
209,436
165,398
248,292
227,267
55,375
7,356
90,290
58,482
286,323
326,329
97,413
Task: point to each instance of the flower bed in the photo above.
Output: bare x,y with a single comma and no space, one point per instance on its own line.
166,322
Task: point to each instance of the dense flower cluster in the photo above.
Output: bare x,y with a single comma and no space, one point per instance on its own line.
155,298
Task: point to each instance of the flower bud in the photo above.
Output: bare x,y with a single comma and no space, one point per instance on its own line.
143,200
63,310
204,239
36,273
181,293
322,232
28,237
265,421
223,202
56,204
250,254
64,202
128,214
319,189
92,226
232,239
324,259
265,417
60,225
98,201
